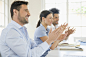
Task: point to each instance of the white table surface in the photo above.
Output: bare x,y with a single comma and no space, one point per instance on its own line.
61,53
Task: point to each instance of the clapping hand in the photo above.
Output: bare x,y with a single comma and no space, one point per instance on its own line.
63,36
70,31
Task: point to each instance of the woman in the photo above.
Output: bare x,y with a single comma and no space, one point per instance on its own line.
41,33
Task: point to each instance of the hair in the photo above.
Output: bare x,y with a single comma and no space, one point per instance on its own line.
16,5
43,14
54,11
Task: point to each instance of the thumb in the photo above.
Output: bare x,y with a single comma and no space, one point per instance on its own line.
66,33
50,30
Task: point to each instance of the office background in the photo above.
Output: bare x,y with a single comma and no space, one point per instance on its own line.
72,12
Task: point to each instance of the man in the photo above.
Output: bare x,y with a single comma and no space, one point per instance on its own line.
55,22
15,41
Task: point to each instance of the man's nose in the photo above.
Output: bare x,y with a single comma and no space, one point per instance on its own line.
57,19
28,13
52,20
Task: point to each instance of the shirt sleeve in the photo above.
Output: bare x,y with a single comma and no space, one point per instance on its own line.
40,33
40,50
19,45
33,44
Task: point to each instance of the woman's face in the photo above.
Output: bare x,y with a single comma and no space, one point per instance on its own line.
49,19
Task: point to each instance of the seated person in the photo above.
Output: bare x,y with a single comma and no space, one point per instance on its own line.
55,23
15,41
41,33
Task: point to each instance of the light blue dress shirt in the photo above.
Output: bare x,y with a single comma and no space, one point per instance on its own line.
40,32
15,42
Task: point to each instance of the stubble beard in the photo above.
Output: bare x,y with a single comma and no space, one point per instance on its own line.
22,19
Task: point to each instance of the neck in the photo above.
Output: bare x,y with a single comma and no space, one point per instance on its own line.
17,21
44,25
54,25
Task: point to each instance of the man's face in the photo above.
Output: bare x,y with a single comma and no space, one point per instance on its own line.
23,14
55,19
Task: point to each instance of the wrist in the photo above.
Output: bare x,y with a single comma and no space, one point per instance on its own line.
49,41
59,40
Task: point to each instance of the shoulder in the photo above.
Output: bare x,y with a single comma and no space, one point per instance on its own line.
10,29
40,28
40,31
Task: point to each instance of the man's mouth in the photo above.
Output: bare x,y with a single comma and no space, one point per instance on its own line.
56,21
26,17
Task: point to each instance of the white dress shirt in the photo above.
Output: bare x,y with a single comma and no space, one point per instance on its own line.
53,27
15,42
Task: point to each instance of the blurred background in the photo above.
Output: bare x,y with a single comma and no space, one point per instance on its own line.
72,12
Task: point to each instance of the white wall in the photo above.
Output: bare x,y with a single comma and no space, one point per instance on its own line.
10,2
35,9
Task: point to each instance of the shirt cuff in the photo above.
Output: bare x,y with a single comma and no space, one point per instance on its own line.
45,46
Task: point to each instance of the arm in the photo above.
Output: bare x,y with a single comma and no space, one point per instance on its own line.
53,45
58,40
61,38
19,45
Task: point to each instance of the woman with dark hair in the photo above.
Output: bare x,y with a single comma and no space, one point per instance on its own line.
41,33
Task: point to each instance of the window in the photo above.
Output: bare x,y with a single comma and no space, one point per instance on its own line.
3,14
71,11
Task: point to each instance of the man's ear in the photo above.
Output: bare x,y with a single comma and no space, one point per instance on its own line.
15,12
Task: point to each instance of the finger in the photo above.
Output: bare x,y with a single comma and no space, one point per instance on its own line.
65,25
69,28
66,33
59,30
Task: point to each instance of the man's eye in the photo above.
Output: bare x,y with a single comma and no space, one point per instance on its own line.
51,18
26,10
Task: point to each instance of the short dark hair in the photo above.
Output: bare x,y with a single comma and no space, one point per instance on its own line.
16,5
54,11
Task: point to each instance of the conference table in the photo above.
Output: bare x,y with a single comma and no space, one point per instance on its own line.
61,53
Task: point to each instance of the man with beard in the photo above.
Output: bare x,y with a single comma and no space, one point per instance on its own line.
54,25
15,41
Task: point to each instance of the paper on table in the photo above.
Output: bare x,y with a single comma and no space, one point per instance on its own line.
71,48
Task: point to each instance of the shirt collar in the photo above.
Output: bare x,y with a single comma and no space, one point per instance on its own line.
54,26
44,28
17,25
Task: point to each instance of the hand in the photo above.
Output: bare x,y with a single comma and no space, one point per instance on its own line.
62,37
54,35
64,26
70,31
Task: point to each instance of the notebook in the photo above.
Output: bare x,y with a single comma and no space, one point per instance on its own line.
71,48
66,44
